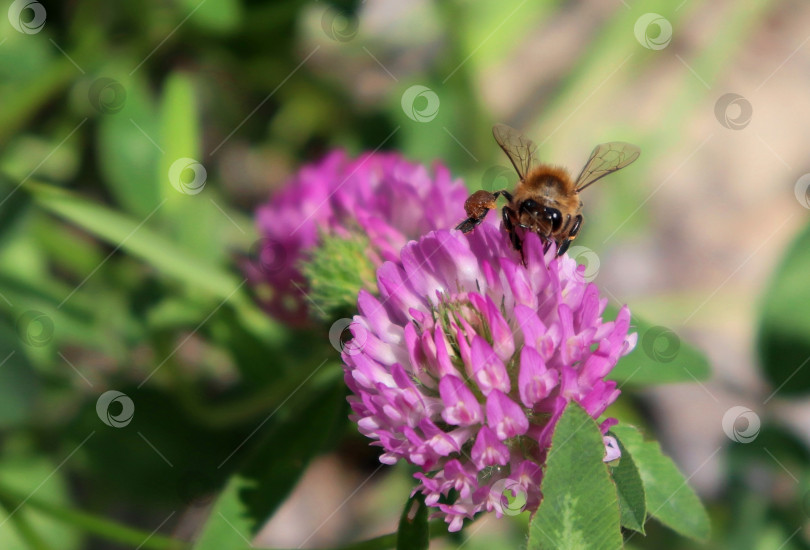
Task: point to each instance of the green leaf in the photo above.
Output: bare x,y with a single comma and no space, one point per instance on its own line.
13,207
660,357
68,515
179,129
135,237
630,488
414,532
127,153
274,467
183,178
228,526
307,432
219,16
783,339
669,497
33,75
142,242
19,384
76,322
23,473
580,508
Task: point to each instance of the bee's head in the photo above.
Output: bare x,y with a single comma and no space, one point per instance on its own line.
544,216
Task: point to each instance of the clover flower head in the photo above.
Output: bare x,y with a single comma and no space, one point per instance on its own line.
378,200
466,360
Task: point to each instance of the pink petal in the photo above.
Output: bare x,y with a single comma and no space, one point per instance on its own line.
461,408
505,416
488,449
502,341
444,366
535,381
488,369
612,451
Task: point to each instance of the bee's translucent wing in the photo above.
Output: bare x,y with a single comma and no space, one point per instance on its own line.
605,159
521,150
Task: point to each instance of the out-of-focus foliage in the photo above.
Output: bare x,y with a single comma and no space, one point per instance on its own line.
784,345
136,138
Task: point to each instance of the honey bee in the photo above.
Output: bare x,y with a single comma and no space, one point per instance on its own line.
546,200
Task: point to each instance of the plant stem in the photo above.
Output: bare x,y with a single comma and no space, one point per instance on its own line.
89,523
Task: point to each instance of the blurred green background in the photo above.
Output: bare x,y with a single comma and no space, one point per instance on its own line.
118,269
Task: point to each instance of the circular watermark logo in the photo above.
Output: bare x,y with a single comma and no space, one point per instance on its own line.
35,328
741,424
268,256
179,173
733,111
339,26
802,190
499,177
661,344
653,31
510,497
108,416
107,96
587,257
348,336
420,103
27,16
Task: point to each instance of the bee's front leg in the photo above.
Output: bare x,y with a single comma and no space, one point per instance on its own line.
572,234
510,220
575,229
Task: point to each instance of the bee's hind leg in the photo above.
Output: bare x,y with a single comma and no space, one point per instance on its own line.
469,224
477,206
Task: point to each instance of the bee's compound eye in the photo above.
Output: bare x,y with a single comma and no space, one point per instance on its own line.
554,216
531,207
